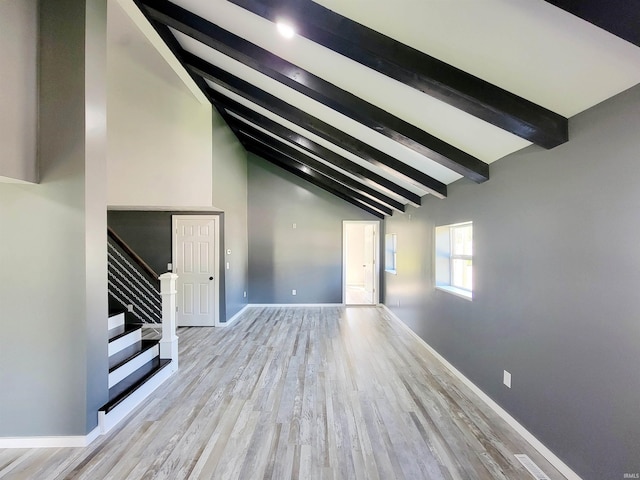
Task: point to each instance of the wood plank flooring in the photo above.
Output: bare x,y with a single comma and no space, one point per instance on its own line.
298,393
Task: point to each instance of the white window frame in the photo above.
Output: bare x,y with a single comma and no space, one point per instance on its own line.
391,249
444,258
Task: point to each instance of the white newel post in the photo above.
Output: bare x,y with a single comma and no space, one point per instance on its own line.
169,341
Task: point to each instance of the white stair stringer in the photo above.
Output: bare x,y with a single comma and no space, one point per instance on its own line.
106,421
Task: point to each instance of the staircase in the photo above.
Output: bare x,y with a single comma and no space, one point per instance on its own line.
135,370
137,365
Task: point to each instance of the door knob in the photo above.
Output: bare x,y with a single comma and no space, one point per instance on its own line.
210,278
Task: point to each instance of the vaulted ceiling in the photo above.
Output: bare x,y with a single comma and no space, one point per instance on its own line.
380,102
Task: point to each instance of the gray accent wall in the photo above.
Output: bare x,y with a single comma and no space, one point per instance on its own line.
307,258
53,281
556,277
149,234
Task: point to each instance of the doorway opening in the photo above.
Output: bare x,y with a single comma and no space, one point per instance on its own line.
196,260
360,246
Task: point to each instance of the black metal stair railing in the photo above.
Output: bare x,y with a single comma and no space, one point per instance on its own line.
132,282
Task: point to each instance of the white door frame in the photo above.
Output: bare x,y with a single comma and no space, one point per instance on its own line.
216,256
376,258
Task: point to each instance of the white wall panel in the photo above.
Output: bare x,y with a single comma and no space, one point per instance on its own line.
159,134
18,95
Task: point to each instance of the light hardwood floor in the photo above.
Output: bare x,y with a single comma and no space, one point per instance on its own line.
298,393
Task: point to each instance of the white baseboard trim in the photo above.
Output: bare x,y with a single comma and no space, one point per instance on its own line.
512,422
280,305
50,442
234,318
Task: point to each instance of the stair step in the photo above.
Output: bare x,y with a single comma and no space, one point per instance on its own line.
113,335
138,360
129,353
115,331
116,310
131,335
116,319
126,387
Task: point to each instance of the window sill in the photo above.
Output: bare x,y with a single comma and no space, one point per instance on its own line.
458,292
394,272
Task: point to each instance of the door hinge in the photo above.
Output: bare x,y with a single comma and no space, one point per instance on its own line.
176,309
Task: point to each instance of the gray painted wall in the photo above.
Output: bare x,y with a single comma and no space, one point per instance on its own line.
308,258
150,235
556,277
230,196
53,347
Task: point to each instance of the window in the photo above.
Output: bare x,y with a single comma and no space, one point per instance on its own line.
390,244
454,259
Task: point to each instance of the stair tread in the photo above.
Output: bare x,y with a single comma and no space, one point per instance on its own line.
126,387
127,329
145,345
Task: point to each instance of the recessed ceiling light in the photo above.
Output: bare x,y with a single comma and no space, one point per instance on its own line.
285,30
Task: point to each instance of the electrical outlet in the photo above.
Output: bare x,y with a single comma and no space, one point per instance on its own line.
227,265
245,294
506,379
294,292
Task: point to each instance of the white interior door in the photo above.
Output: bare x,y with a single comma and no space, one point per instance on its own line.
360,260
195,260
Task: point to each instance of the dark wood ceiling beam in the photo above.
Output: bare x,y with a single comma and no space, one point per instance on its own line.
283,149
322,129
417,69
177,50
334,189
318,89
291,158
365,175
